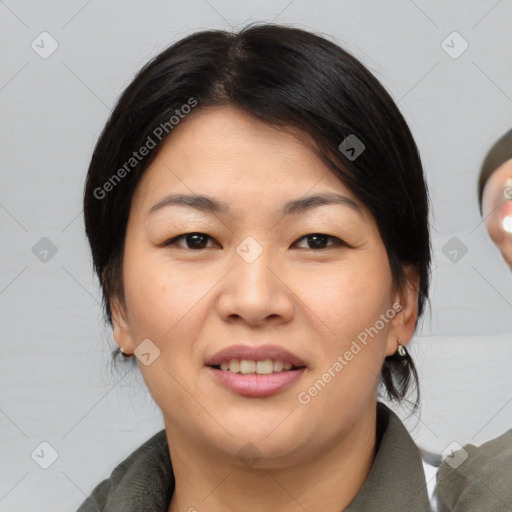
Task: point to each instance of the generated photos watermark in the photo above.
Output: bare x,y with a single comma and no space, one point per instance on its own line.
157,135
304,397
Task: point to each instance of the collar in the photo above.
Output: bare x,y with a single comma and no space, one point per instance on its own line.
396,482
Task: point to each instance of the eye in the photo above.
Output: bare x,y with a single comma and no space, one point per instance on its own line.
192,241
319,241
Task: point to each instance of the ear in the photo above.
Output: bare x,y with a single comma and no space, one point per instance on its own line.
406,306
122,335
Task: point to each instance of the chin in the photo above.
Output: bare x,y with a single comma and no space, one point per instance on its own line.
274,438
266,453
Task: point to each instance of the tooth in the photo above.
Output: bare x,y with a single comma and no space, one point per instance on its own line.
287,366
247,366
264,367
224,366
278,366
234,365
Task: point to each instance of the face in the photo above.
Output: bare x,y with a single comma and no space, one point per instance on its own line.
497,209
234,289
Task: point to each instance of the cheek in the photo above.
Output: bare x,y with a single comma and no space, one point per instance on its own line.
350,303
346,374
159,295
165,305
349,299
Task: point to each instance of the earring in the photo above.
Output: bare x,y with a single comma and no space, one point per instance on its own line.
123,353
401,349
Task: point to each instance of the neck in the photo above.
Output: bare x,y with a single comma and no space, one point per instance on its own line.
328,481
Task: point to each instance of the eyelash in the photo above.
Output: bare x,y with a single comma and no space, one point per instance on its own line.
337,241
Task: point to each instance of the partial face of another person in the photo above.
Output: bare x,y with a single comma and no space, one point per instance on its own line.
237,287
497,209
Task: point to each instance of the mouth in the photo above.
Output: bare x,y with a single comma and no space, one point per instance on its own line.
256,371
252,367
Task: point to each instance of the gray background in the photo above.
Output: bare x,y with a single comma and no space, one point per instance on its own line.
55,377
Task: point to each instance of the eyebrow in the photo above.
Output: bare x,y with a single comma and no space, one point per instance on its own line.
199,202
208,204
313,201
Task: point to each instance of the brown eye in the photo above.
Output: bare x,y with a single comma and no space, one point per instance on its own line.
320,241
191,240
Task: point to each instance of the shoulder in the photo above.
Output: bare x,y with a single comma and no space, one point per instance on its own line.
477,478
144,476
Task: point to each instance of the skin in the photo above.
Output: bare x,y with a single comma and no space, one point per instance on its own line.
495,207
191,303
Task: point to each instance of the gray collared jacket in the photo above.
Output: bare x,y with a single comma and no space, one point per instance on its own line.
144,482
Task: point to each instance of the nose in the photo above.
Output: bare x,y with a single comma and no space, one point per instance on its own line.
255,293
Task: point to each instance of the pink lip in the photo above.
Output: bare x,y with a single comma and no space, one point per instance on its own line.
254,354
257,385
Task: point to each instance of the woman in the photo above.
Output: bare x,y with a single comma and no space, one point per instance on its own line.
258,219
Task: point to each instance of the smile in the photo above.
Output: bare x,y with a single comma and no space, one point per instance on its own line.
246,366
256,371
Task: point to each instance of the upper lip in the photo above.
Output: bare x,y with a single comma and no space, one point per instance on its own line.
254,353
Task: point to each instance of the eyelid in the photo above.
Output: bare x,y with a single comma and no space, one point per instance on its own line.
172,241
337,241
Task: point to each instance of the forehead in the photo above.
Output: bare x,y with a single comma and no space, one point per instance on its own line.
226,148
218,126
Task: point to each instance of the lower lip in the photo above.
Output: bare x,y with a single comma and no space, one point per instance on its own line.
257,385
